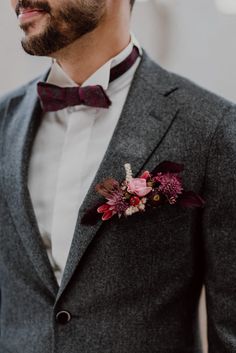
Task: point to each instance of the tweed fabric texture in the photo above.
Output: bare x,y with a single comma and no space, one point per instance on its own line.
131,285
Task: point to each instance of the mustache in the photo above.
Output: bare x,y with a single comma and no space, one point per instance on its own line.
37,4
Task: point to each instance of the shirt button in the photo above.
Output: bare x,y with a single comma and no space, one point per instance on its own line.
63,317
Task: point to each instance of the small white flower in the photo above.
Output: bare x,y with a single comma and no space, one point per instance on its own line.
135,209
128,172
141,206
131,210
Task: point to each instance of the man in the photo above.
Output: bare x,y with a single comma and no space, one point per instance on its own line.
128,284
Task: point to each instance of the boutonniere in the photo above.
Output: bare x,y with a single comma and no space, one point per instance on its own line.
150,190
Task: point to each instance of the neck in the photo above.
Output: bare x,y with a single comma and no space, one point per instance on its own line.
86,55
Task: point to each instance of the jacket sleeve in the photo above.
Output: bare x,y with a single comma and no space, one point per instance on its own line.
219,237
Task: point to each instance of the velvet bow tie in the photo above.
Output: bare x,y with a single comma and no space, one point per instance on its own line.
54,98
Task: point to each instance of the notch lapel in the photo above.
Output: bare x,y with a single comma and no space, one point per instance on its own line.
147,115
21,123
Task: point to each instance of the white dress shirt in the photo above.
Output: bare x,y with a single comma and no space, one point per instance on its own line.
68,149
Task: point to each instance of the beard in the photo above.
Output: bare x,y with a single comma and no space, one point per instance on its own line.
63,26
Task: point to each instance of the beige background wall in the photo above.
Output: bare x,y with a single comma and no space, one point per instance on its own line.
190,37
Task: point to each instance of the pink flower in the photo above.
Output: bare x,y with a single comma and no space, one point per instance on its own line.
114,205
146,175
139,187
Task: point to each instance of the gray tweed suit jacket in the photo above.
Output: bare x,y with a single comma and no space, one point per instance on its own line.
130,285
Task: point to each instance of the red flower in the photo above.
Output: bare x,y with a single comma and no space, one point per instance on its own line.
146,175
115,204
134,201
107,211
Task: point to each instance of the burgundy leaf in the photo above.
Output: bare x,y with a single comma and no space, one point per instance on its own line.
190,199
168,167
91,216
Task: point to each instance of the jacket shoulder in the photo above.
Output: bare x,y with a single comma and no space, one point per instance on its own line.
188,92
198,108
16,95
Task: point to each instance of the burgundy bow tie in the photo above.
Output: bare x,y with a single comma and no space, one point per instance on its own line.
54,98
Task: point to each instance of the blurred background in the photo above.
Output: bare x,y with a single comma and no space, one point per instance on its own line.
194,38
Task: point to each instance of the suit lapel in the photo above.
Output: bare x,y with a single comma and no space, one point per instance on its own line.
147,115
22,122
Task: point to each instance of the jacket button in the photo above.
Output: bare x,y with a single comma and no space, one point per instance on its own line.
63,317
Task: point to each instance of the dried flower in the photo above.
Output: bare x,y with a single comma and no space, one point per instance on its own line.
128,172
107,212
170,186
155,198
139,187
134,201
117,202
108,187
146,175
133,195
131,210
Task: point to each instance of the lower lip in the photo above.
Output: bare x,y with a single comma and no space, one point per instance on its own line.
30,15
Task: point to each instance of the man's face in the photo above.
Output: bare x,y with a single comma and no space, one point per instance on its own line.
50,25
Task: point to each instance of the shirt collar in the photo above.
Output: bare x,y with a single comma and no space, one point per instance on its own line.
101,77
